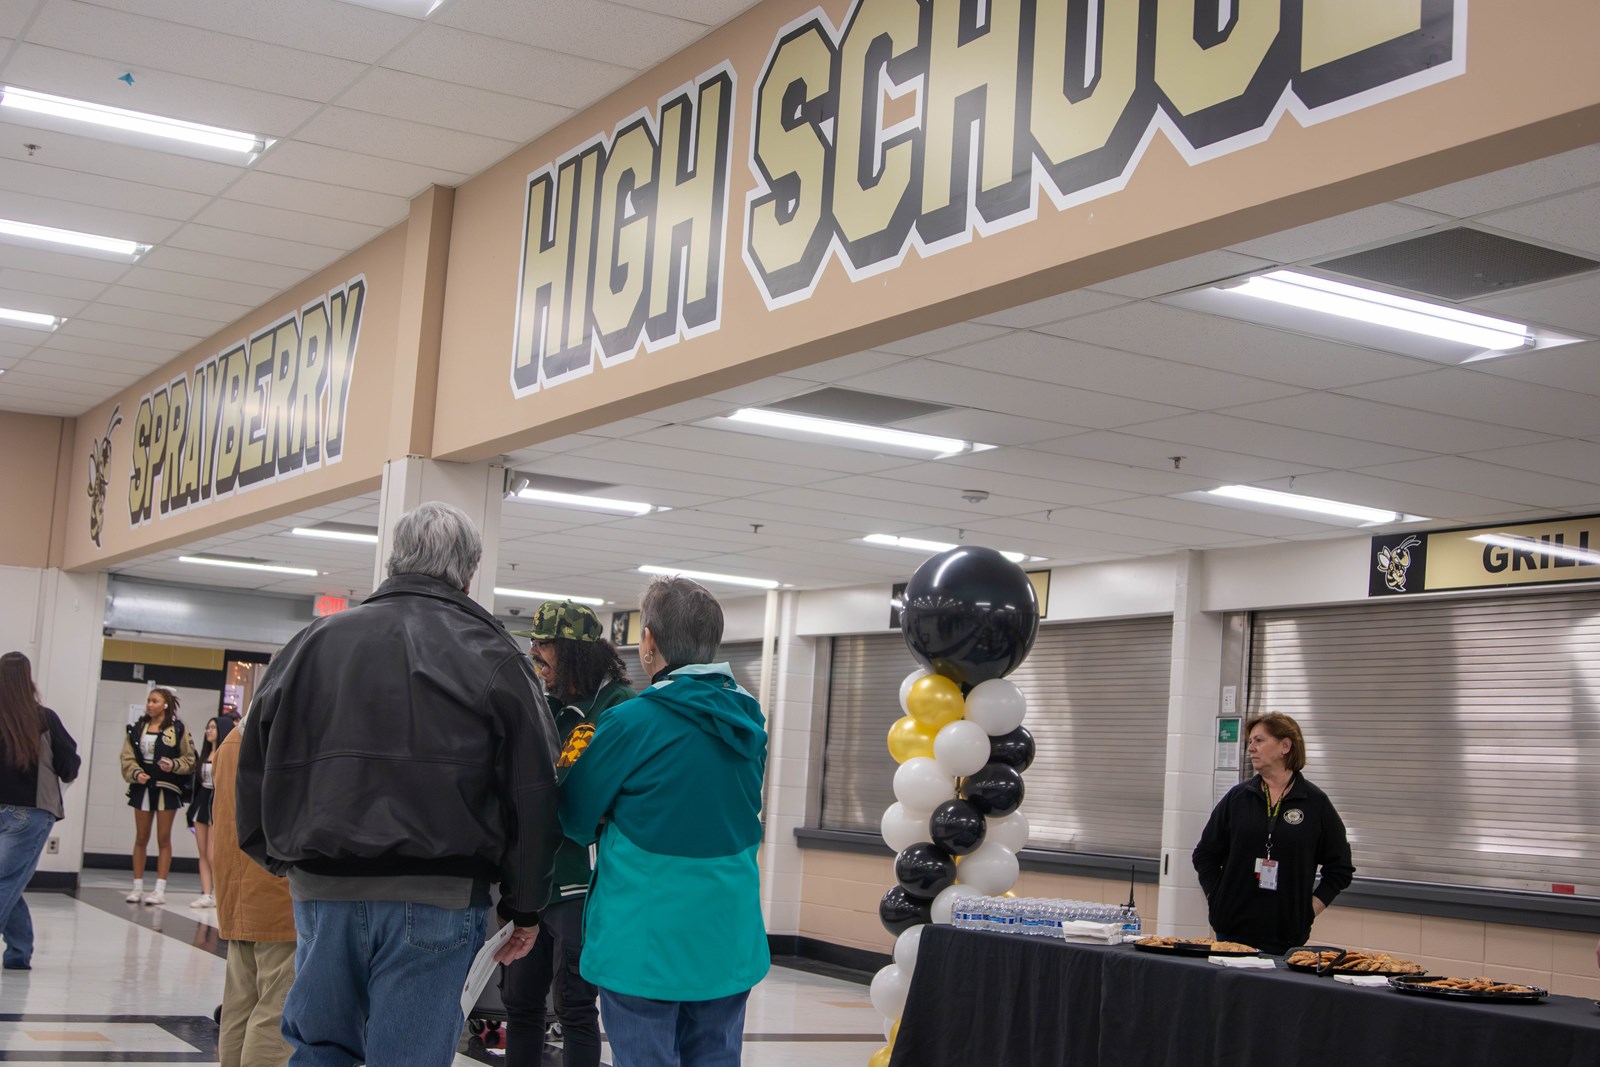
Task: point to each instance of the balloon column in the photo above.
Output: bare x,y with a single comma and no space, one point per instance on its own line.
969,616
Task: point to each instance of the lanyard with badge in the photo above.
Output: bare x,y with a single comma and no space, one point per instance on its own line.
1267,869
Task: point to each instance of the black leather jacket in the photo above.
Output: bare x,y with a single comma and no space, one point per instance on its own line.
404,736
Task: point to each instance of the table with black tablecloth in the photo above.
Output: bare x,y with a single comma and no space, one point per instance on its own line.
980,999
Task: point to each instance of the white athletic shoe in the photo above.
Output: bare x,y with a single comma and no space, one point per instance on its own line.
155,898
135,896
202,902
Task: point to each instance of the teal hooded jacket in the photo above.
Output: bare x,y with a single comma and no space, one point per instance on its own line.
674,775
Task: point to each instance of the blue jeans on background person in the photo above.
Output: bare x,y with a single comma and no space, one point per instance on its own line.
379,982
23,832
673,1033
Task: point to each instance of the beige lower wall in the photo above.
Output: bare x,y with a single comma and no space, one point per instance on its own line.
840,891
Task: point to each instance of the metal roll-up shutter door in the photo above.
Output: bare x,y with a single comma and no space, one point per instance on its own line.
1097,707
1459,739
745,658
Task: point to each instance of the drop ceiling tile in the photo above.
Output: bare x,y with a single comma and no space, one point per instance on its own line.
299,225
1184,274
393,138
41,303
253,247
1341,233
22,337
1007,487
1052,309
705,12
141,42
122,162
1280,443
60,264
1218,517
67,383
1483,479
146,275
27,404
1385,423
1046,358
1471,394
69,72
862,507
1033,535
29,281
1571,367
844,367
185,304
1109,522
1127,480
298,196
136,355
159,340
87,218
1572,305
342,30
28,175
595,29
734,517
1361,487
336,167
14,16
411,96
1556,174
961,333
1577,460
1234,346
87,394
822,458
506,67
765,391
742,473
116,315
986,427
1099,458
117,366
260,277
1571,221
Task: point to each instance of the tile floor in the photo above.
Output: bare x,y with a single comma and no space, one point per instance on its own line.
119,983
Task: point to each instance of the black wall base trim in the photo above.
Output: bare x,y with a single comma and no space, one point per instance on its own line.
123,861
53,882
837,961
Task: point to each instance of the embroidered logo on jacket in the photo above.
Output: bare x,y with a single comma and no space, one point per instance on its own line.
576,743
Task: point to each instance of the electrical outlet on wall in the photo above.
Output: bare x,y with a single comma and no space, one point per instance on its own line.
53,846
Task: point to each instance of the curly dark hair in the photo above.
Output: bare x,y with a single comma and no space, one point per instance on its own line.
583,667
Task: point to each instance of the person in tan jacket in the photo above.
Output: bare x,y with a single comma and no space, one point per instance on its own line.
256,917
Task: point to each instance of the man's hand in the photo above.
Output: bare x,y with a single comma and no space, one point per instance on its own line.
517,945
1318,907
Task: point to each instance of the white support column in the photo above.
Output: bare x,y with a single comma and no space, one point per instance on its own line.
476,488
1192,709
789,719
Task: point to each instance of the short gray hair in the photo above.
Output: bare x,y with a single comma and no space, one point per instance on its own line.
684,618
437,540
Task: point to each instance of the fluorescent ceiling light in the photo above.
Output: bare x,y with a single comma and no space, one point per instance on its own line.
580,500
528,594
248,565
708,576
916,544
116,118
1314,504
413,9
33,319
1535,545
334,533
73,239
856,431
1385,309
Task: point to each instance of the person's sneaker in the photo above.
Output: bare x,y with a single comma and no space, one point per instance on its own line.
155,898
135,896
206,901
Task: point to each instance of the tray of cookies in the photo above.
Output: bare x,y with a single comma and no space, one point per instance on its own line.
1467,989
1193,946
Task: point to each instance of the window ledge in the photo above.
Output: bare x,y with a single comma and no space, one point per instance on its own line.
1052,861
1547,911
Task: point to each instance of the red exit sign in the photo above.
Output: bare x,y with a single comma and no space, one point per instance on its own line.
328,604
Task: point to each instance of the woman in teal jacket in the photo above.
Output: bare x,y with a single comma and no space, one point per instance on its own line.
670,786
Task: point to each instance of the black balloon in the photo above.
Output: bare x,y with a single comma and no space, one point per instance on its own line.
994,790
970,614
899,911
923,869
1014,749
957,827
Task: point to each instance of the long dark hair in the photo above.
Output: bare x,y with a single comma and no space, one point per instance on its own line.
21,721
224,728
584,667
169,703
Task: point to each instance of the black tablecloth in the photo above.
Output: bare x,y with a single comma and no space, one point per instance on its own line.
985,1000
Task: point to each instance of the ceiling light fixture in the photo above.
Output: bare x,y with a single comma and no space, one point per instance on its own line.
916,544
30,319
1539,547
709,576
1314,504
528,594
332,533
1385,309
91,242
411,9
581,500
139,122
856,431
250,565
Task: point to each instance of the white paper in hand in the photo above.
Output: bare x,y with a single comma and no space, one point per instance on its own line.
483,966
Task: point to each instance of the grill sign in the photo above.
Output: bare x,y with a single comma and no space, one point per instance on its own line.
1486,557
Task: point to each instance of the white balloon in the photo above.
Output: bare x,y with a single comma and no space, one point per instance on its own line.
921,786
947,898
902,828
905,948
960,748
992,869
888,992
905,688
1010,832
996,705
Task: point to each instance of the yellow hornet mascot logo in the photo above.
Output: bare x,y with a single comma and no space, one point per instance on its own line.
100,477
1394,562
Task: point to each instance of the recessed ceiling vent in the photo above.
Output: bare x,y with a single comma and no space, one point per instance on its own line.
1459,264
850,405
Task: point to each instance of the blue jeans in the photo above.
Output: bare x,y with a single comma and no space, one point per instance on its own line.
674,1033
23,832
379,982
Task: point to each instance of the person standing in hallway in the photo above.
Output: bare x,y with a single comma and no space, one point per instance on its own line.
583,677
256,917
670,787
396,761
200,808
36,756
157,760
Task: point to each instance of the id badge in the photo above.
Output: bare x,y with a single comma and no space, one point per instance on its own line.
1268,874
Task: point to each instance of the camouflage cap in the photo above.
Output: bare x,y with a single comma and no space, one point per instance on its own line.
563,620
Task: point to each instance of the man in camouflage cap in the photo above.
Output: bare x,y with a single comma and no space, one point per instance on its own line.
584,676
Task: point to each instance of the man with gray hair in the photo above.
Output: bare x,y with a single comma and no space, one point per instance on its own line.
397,760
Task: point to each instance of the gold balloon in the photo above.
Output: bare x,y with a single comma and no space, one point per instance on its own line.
935,701
880,1058
894,1033
908,739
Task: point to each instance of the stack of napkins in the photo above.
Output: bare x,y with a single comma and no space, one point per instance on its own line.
1249,962
1083,930
1362,979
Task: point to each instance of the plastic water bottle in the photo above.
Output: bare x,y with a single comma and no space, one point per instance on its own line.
1130,923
